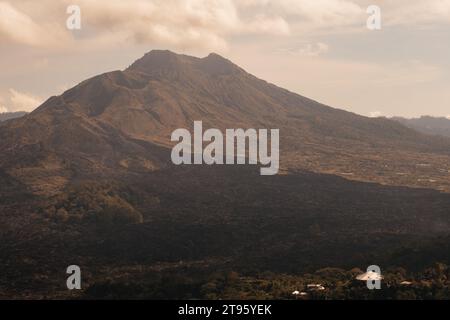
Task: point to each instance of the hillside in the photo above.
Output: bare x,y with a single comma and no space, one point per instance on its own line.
86,178
121,121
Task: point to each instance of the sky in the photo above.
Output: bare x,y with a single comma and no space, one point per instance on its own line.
321,49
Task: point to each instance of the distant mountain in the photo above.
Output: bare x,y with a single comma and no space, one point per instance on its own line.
427,124
11,115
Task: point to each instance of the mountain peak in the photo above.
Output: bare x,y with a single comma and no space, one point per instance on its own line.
168,61
215,56
165,55
216,64
156,60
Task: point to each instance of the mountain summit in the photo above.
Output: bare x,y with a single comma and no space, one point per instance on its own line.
120,122
163,61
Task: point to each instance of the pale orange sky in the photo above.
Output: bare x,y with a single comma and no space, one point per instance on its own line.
318,48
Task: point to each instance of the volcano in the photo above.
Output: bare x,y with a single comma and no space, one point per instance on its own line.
87,178
121,121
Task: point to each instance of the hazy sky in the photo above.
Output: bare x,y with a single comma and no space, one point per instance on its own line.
321,49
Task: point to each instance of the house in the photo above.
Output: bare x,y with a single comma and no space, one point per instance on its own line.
369,276
315,287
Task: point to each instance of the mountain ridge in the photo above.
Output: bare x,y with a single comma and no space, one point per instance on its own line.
5,116
427,124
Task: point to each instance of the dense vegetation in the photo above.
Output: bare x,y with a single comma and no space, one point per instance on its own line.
338,284
225,232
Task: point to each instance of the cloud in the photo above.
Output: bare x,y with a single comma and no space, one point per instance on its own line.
20,101
324,13
310,49
310,15
187,23
197,24
416,13
178,23
339,15
375,114
18,26
262,24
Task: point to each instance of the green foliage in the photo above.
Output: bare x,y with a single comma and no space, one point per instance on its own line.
116,211
93,202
